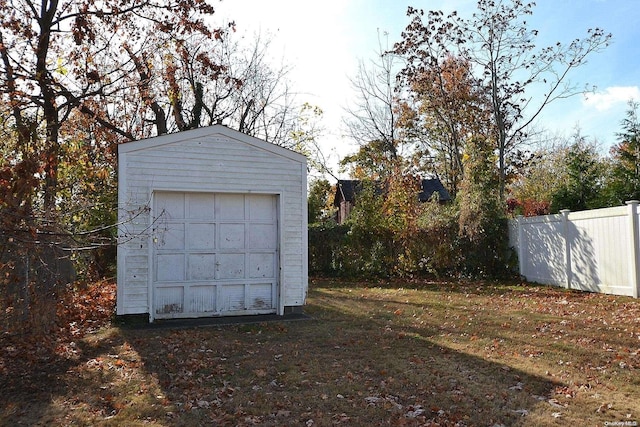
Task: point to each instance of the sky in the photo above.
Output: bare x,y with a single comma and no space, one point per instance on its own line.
323,41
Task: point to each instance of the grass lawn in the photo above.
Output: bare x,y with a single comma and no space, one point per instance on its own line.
373,353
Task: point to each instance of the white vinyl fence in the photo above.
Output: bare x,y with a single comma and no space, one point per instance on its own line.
596,250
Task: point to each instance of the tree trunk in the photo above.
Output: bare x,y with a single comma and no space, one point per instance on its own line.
52,148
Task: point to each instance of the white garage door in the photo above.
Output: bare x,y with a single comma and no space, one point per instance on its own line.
214,254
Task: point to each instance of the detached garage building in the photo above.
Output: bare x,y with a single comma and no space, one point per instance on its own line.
212,223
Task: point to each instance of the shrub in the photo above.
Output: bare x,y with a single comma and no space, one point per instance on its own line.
389,233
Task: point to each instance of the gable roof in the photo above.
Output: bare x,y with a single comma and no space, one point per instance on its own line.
431,186
203,132
346,190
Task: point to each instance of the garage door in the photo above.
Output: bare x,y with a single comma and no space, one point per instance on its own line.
214,254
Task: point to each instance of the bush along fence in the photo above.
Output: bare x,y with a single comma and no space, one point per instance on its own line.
353,251
596,250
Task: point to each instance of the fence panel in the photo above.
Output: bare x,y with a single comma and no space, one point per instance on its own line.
599,251
596,251
542,250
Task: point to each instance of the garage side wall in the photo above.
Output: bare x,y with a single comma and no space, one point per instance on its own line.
216,163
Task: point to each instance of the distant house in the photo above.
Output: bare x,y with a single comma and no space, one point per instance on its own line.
347,189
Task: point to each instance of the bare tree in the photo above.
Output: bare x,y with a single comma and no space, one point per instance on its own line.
372,121
511,68
233,83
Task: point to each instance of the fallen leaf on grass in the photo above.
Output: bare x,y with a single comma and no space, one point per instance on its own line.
341,418
556,404
372,400
517,387
415,411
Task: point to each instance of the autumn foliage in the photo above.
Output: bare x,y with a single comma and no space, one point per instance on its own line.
86,309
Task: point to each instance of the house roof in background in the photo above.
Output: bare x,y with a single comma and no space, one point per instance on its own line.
431,186
346,189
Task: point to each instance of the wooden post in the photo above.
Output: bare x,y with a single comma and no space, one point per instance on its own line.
634,248
567,247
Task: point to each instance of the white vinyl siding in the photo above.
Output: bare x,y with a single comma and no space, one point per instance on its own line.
208,160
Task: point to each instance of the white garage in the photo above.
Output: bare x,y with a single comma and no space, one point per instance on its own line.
212,223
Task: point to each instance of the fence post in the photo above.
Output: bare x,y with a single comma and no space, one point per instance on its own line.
567,248
521,251
634,249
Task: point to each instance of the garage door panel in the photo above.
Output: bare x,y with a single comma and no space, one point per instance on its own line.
262,207
170,236
201,267
261,265
214,254
233,297
230,266
169,300
201,236
232,236
262,236
203,299
201,206
170,268
261,296
170,205
230,206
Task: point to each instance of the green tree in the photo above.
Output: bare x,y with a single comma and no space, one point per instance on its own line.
532,185
318,201
482,224
369,240
625,175
303,138
582,187
371,161
479,200
87,196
